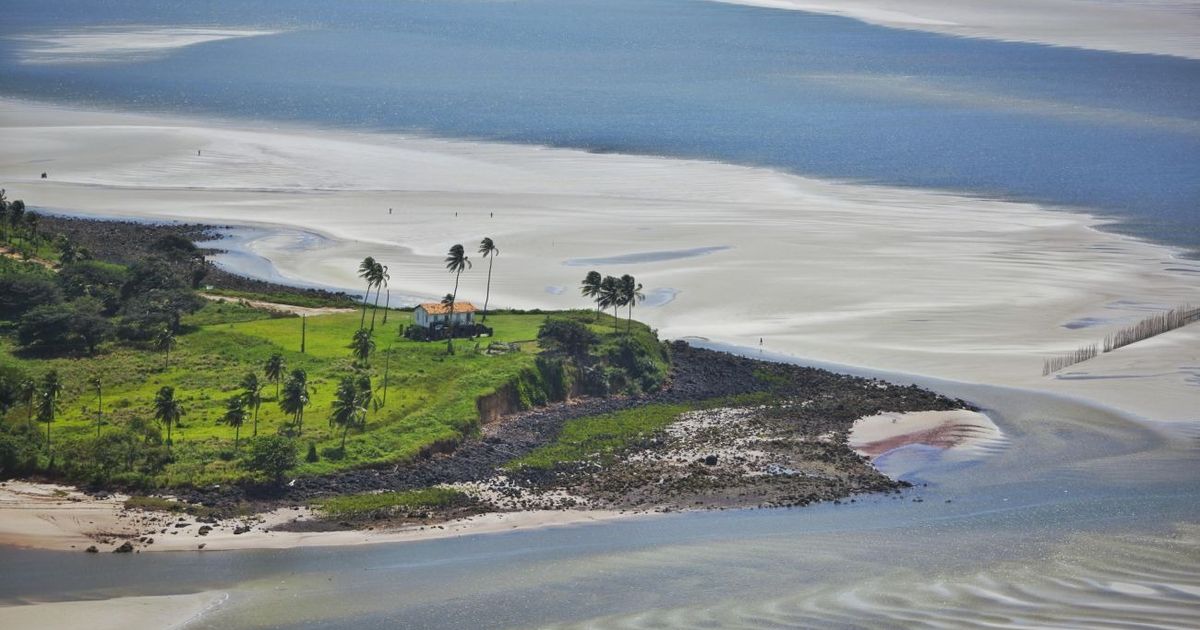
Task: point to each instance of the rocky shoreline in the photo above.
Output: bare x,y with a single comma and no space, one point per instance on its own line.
789,451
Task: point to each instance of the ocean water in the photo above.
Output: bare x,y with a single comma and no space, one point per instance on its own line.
1117,134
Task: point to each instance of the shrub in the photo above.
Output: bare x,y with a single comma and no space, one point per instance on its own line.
567,336
272,456
23,292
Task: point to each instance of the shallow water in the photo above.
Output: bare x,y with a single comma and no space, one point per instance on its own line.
816,95
1083,519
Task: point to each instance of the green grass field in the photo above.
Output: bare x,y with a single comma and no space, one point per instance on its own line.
430,395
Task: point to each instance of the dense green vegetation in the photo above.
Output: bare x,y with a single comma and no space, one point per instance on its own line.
389,504
115,374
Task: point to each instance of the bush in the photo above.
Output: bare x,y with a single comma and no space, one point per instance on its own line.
567,336
95,279
79,327
23,292
272,455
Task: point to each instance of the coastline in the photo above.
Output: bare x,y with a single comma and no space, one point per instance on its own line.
990,288
1163,27
61,518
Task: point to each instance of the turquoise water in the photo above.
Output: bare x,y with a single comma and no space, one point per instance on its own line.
816,95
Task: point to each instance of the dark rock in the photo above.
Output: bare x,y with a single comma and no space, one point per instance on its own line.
125,547
92,549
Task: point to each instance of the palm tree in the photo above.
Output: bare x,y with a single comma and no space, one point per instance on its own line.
349,407
362,345
381,279
591,288
631,294
164,341
274,371
48,403
489,251
366,271
167,410
456,261
31,223
610,295
296,398
28,392
4,212
99,385
235,416
252,395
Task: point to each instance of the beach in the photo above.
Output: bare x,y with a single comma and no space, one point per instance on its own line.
911,281
1158,27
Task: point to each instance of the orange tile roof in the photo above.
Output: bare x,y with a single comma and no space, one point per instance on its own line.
437,308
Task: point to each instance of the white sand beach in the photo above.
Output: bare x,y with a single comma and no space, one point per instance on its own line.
61,518
157,612
1160,27
913,281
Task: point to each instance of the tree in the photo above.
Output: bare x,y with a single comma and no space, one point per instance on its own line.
163,342
48,402
99,385
456,261
631,294
16,212
235,416
31,223
28,392
610,295
381,279
568,336
349,407
4,212
489,251
252,394
272,455
296,398
591,288
23,292
167,410
362,345
366,271
273,370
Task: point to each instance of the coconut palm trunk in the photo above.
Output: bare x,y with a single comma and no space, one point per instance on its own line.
453,299
487,294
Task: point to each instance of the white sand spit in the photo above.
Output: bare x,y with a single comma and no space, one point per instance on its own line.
907,280
1163,27
121,613
120,44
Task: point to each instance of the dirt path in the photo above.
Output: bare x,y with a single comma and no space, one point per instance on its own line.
307,311
8,252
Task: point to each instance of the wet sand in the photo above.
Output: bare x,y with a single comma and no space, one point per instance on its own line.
1160,27
911,281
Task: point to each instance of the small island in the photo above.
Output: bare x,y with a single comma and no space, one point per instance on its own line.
196,404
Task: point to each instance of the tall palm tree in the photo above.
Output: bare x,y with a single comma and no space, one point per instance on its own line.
163,342
366,271
488,249
296,398
349,407
167,410
456,261
99,385
31,223
381,280
591,288
610,295
273,370
631,294
28,392
4,212
362,345
252,395
48,402
235,416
